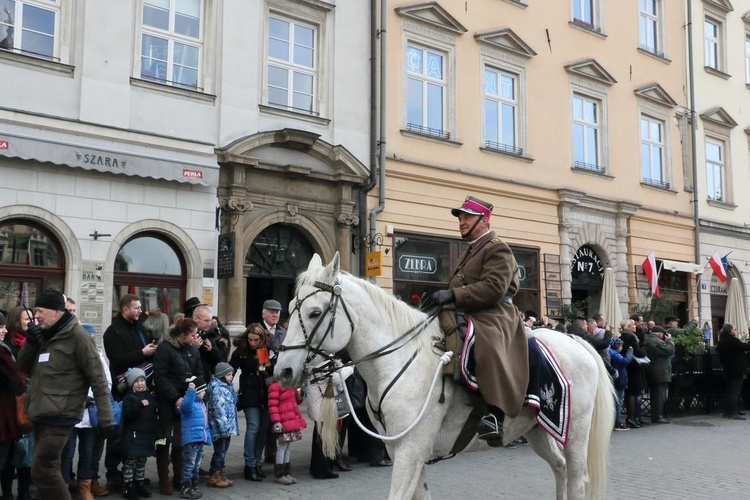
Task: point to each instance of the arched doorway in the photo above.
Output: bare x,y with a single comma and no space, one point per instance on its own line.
31,260
275,258
587,273
150,266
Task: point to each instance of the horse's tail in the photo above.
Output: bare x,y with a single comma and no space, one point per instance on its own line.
327,428
602,422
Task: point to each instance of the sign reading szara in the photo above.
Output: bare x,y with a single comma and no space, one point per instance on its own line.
417,264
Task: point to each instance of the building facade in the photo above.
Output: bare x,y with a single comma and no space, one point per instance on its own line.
570,117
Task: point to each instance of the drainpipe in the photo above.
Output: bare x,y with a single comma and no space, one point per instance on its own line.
367,186
381,116
693,127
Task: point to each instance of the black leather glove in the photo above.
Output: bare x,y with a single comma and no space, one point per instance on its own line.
442,297
108,431
34,333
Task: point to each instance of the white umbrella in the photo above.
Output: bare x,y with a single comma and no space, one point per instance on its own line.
610,304
735,310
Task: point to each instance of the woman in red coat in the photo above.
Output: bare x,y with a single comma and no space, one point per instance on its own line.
287,421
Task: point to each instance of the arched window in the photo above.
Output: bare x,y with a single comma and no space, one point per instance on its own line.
152,267
31,261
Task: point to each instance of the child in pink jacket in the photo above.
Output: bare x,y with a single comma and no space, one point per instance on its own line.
287,421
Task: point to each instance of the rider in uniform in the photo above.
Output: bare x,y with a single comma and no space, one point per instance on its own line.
483,286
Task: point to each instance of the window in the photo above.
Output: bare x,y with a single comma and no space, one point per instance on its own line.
587,15
291,64
715,164
650,27
586,125
31,260
172,42
500,110
652,152
425,91
30,26
711,44
152,268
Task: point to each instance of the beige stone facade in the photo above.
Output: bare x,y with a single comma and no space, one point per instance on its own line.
564,71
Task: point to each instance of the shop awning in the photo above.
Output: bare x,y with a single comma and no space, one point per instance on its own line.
117,157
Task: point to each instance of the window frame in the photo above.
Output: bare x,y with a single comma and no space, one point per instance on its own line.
501,101
426,81
721,164
651,144
204,80
596,126
715,14
657,17
311,14
418,33
595,23
54,6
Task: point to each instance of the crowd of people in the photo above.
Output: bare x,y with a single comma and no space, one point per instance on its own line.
158,388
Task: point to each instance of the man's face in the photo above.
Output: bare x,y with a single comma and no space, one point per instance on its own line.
639,322
3,332
70,307
203,318
650,325
214,323
46,317
601,322
467,221
133,311
590,327
270,316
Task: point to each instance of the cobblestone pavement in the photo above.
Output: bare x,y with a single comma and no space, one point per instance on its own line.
696,457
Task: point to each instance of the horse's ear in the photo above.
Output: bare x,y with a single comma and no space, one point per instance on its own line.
333,267
315,262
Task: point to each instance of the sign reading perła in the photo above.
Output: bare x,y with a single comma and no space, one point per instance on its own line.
417,264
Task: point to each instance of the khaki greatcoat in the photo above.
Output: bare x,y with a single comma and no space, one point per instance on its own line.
487,273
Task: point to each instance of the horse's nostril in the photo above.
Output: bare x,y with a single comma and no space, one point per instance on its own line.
287,373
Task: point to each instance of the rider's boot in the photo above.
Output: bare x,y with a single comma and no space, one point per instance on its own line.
490,428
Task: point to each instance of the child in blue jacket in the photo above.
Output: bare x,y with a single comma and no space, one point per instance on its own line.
195,434
620,361
222,419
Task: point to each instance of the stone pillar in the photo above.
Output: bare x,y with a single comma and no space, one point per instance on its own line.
233,214
344,223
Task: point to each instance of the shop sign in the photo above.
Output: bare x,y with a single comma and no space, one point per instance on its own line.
112,162
374,264
586,261
716,287
3,144
192,174
417,264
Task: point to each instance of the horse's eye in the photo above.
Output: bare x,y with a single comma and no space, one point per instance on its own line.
314,314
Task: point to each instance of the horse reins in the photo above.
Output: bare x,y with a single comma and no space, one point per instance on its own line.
326,370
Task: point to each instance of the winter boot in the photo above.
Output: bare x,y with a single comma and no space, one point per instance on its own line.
259,470
288,472
188,491
280,473
225,478
97,489
216,481
141,490
251,474
128,490
84,489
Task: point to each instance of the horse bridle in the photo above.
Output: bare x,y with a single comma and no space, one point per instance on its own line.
328,368
336,298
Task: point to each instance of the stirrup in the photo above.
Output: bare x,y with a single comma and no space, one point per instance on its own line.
490,429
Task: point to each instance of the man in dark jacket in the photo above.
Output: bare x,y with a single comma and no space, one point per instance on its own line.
483,284
659,348
732,355
62,362
126,345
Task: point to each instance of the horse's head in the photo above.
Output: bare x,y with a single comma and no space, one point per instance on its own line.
320,324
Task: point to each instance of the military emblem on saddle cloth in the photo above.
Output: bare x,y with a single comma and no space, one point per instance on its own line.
548,391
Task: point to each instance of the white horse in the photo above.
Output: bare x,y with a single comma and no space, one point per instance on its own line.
334,310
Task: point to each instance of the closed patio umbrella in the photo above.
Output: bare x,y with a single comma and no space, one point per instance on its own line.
610,304
735,310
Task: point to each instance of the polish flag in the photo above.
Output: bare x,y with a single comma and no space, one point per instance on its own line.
649,267
718,266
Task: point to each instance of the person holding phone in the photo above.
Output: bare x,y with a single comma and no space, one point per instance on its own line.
659,348
127,345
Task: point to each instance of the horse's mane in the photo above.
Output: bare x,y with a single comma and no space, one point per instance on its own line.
402,316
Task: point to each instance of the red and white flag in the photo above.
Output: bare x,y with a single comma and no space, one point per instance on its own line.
649,267
718,266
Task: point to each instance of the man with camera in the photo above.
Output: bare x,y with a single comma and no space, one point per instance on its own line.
659,348
212,347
